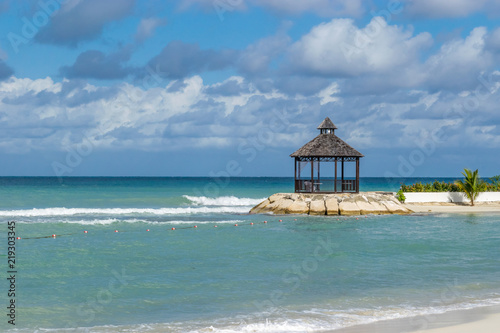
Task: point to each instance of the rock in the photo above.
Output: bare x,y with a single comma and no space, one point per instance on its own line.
370,207
298,207
274,204
365,207
332,206
281,206
260,208
395,208
377,207
317,207
349,208
276,196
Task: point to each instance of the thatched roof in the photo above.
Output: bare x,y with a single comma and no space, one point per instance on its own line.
327,145
327,123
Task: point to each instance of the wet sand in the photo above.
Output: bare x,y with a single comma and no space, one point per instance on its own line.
478,320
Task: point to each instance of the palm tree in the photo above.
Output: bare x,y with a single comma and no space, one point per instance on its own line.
471,185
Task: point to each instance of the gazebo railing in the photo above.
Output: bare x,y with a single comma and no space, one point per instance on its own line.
325,186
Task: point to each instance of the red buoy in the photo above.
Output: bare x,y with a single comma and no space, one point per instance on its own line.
116,230
281,220
236,225
85,232
215,226
196,226
173,228
251,223
54,236
147,229
18,238
265,221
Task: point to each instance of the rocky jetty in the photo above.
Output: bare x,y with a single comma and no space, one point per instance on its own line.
331,204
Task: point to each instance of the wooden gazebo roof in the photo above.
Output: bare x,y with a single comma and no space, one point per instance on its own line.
326,145
327,123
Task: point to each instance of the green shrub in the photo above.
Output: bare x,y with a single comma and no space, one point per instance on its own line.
493,185
401,196
436,186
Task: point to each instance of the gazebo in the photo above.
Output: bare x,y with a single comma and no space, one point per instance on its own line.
326,147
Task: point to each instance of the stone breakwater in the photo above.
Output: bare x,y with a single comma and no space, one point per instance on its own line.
331,204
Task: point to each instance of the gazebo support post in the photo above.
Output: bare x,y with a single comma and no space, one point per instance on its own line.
318,169
342,174
335,184
295,175
312,174
357,174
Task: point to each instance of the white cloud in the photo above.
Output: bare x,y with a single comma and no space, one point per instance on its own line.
339,48
41,115
327,95
255,59
147,27
449,8
458,63
324,8
379,57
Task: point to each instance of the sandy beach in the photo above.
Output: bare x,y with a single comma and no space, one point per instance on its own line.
430,207
478,320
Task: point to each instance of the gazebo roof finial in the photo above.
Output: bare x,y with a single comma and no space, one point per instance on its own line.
327,126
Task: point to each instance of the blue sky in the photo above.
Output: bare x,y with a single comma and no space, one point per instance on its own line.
233,87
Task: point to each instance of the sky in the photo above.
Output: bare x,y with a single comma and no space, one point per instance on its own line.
225,88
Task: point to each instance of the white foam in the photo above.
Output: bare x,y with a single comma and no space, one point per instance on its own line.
223,201
62,211
111,221
313,320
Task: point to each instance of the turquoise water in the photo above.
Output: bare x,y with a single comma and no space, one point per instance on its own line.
303,274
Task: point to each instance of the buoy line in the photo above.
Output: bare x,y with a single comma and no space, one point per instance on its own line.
171,229
120,231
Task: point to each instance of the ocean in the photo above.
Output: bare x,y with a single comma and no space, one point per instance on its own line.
182,255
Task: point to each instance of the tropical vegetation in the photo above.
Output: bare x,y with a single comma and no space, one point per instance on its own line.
472,185
436,186
492,185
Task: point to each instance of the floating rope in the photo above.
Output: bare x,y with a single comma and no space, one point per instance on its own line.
172,229
117,231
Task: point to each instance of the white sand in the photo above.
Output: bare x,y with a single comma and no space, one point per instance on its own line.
481,207
478,320
489,324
